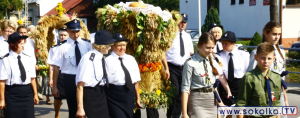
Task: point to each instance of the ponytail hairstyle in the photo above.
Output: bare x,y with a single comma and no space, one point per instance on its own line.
203,39
268,28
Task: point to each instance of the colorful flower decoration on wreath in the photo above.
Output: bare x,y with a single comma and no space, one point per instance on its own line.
150,67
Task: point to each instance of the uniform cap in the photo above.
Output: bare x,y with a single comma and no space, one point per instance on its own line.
119,37
64,28
103,37
73,25
15,37
229,36
184,17
214,25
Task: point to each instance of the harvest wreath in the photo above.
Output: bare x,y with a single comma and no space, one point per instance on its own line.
151,31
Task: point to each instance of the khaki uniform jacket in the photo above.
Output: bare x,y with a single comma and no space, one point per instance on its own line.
253,90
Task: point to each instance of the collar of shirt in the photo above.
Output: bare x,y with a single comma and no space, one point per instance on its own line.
117,56
234,51
13,54
71,41
199,57
97,53
260,74
2,38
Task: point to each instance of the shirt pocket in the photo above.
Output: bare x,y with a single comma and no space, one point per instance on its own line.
277,98
111,75
69,59
259,98
239,67
199,76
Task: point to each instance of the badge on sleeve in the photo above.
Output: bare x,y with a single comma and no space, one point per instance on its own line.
92,57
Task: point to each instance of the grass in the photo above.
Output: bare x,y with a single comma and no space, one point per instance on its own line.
292,77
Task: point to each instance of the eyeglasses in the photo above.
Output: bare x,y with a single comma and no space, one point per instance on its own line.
8,31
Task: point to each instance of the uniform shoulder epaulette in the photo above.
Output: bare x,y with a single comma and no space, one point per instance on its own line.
25,54
4,56
218,53
54,46
240,48
87,40
92,57
63,42
59,43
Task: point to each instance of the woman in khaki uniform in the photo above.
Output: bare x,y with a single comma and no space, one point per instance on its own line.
198,77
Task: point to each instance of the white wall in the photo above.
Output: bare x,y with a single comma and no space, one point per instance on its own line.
191,9
242,19
47,5
291,22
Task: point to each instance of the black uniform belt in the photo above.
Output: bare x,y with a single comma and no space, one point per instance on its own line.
204,90
19,85
173,65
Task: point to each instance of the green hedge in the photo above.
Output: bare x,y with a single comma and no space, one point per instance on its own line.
244,43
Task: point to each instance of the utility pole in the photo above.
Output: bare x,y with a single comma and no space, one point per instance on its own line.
26,13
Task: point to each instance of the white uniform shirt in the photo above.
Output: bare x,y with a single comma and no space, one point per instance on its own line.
9,69
280,62
4,47
29,49
115,73
87,69
240,59
173,54
65,56
51,52
218,43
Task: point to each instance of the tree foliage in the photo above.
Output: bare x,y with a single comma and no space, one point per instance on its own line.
164,4
256,39
5,6
212,16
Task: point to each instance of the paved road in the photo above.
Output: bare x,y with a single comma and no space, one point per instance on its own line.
46,111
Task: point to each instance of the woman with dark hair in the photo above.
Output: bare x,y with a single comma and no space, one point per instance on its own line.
198,77
18,91
271,34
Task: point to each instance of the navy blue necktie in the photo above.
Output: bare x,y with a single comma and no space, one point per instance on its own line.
77,53
230,68
104,71
128,81
269,90
181,46
22,69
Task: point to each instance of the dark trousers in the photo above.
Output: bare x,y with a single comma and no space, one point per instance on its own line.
151,113
70,91
234,86
174,110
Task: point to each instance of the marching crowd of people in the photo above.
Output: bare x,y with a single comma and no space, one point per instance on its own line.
99,84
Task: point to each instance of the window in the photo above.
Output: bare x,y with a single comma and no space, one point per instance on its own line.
232,2
241,1
293,3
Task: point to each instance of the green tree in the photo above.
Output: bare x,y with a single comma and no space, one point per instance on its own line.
212,16
6,6
256,39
